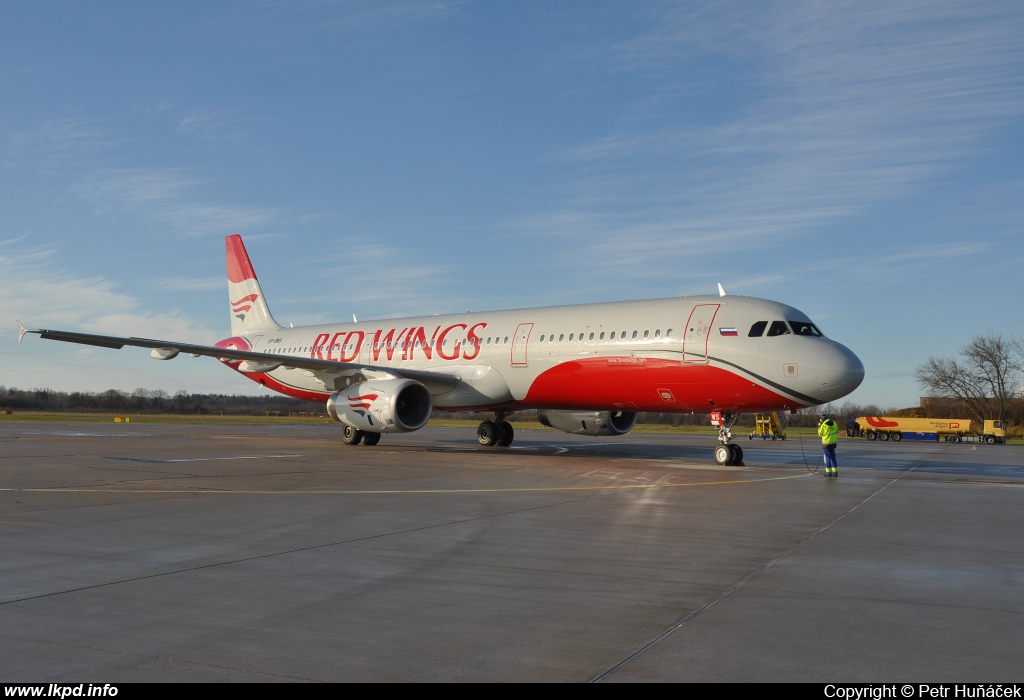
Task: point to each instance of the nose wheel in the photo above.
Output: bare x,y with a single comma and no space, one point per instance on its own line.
727,454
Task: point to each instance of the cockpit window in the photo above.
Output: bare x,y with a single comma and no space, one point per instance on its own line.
778,328
757,330
805,328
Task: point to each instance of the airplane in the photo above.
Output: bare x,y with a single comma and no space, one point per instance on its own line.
588,369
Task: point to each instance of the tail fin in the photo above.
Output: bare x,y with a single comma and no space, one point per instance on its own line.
249,310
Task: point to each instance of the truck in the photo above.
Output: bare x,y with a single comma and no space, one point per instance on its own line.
886,428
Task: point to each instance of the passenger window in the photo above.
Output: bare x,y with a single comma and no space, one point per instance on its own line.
778,328
612,336
647,334
757,330
634,335
570,337
805,328
506,340
657,333
561,337
602,335
591,336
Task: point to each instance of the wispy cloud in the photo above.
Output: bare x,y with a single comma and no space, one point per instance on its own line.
189,284
38,292
849,106
58,141
170,199
393,41
201,121
377,280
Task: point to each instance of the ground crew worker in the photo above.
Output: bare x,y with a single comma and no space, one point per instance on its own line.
829,433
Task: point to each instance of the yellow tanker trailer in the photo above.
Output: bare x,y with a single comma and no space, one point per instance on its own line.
950,429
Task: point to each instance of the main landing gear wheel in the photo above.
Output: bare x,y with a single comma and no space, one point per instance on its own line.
351,436
371,439
506,434
491,433
487,433
723,455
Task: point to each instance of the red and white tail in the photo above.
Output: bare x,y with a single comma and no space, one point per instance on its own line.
249,310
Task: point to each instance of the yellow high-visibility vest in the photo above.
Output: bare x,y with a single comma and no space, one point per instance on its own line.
829,432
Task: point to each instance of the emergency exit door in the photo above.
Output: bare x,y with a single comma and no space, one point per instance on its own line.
698,330
519,345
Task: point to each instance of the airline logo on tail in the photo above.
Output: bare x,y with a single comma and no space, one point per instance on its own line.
238,308
249,309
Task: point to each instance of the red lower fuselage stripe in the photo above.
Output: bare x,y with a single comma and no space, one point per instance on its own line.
639,384
645,384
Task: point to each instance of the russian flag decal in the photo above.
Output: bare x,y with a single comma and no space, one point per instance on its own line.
728,331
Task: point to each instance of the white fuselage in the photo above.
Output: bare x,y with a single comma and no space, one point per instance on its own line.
678,354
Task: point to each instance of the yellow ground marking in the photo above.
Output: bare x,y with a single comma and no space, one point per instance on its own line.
410,491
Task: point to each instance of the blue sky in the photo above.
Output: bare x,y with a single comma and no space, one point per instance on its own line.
861,161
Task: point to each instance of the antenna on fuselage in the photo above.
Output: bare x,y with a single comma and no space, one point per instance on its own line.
354,319
721,290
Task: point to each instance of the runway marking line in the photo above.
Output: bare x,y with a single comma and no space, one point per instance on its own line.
740,584
220,492
997,484
216,459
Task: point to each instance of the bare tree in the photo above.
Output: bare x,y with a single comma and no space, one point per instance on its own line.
986,376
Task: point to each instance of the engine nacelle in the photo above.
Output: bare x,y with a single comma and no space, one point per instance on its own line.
589,422
386,406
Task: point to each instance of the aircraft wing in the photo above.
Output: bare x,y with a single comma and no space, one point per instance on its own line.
325,370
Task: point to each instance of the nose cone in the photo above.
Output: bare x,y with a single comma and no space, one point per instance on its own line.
839,371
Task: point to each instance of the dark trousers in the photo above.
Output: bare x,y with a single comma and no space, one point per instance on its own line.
830,456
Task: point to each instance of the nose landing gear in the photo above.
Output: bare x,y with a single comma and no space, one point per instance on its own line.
726,454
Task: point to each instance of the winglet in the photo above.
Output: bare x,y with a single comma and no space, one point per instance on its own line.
721,290
21,332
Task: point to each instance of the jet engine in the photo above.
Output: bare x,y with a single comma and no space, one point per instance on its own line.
589,422
386,406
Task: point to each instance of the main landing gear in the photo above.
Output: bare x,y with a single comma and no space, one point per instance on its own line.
727,454
352,436
495,432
